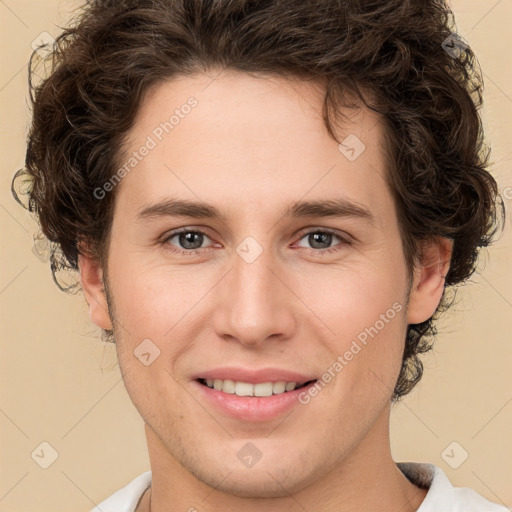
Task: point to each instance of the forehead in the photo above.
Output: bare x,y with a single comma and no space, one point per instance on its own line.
241,137
251,107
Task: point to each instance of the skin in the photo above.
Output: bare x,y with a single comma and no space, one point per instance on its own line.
253,145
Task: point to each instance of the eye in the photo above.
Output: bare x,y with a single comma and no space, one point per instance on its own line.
321,239
189,241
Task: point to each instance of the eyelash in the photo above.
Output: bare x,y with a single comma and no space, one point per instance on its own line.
192,252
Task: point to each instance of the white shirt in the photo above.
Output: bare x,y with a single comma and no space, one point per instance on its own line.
442,496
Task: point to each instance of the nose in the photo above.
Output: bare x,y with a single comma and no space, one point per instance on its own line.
255,304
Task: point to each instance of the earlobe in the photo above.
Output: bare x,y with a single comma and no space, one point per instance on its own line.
91,277
429,279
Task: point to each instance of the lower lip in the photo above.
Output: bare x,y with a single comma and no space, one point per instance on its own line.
252,408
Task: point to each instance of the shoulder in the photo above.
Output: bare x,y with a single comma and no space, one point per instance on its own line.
442,495
126,498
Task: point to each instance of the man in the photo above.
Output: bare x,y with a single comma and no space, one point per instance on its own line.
266,202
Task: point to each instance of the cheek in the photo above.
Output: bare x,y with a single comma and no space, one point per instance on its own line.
364,312
162,305
349,300
150,301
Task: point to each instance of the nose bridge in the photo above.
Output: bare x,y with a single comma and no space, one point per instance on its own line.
256,304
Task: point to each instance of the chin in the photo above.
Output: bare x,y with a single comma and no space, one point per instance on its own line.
273,476
246,484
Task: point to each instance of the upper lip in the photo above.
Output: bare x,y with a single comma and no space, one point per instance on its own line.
255,376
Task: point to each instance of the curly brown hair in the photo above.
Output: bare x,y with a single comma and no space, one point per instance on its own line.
400,58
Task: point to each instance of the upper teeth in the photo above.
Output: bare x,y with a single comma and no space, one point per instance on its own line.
247,389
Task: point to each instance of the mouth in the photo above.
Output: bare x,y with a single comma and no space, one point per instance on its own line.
253,394
247,389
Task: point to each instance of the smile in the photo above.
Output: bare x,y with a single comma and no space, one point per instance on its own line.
260,389
251,402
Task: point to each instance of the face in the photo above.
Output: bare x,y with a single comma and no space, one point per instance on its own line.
259,286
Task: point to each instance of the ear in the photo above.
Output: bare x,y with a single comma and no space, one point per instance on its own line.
91,277
429,278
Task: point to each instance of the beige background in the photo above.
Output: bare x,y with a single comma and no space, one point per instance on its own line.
61,384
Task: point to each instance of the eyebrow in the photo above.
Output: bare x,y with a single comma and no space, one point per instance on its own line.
339,207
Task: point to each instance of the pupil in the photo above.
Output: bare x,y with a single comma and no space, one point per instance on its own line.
321,236
188,238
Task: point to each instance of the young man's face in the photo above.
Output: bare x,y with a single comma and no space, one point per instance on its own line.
261,300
